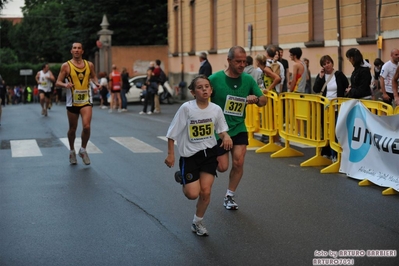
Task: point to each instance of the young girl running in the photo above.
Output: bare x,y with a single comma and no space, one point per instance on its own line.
193,127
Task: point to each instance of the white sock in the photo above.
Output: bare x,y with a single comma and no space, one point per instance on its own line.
82,149
230,193
197,219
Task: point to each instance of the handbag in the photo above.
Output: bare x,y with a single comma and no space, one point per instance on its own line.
325,84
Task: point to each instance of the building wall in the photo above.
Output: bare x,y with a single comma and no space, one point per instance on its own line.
294,24
136,58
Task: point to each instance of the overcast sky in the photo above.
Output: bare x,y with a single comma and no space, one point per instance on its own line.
13,8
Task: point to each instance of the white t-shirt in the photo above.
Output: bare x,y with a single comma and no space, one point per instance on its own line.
331,87
387,72
103,82
194,128
45,83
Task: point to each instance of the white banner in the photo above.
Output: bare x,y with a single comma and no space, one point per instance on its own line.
370,145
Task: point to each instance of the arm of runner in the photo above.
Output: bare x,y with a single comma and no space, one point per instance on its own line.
64,72
170,159
227,143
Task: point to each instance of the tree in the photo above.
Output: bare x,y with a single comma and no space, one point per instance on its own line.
41,34
50,27
2,3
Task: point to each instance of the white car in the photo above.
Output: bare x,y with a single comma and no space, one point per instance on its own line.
135,91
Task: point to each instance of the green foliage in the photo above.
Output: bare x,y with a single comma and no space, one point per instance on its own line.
2,2
50,27
12,77
8,56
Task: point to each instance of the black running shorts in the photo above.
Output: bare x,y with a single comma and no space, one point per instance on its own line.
239,139
202,161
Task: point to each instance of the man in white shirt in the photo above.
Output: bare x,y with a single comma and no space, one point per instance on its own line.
387,72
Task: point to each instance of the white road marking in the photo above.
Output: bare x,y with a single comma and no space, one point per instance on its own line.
25,148
91,148
135,145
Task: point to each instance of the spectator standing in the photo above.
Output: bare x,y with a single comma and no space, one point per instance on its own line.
232,90
76,75
3,91
387,72
115,84
198,161
298,81
35,94
45,79
360,77
253,72
285,64
378,63
395,85
103,90
331,84
2,94
151,88
205,66
308,87
125,88
159,74
28,94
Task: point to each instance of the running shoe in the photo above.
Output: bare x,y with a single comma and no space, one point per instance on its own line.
42,111
119,110
149,113
85,157
178,177
199,229
141,112
229,203
72,158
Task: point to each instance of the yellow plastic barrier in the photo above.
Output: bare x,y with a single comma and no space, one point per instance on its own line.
252,123
375,107
300,120
396,110
269,122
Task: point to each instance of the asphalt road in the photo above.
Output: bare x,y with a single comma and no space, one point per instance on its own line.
126,209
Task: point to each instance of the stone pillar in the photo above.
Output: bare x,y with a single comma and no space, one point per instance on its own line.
104,44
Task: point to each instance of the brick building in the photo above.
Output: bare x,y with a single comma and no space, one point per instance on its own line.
214,26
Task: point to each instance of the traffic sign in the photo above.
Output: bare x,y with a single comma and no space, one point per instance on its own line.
25,72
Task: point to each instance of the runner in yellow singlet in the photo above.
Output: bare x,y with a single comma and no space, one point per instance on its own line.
76,76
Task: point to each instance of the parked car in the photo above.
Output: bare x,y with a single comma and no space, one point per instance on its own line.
135,91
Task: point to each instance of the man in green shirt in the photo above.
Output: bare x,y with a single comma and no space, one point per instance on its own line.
232,91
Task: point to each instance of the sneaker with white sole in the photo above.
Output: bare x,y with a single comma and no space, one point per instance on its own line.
72,157
199,229
141,113
149,113
85,157
229,203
